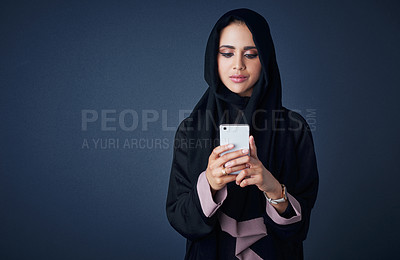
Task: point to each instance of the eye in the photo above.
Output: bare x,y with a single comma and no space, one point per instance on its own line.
227,55
251,56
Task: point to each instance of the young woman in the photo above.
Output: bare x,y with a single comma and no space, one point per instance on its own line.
264,211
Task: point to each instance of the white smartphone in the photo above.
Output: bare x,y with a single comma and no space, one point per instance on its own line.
236,134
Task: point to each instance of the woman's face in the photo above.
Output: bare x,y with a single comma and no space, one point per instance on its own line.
239,66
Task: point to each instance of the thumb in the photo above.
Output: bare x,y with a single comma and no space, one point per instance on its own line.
253,148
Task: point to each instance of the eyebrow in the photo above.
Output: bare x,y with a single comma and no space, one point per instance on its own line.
232,47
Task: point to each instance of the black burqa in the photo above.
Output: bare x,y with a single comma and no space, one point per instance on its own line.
284,146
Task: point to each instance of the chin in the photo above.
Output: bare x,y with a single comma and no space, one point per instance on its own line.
240,91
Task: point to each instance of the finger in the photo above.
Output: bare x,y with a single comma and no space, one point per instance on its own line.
252,180
223,180
220,149
241,160
232,155
228,178
253,148
219,172
235,168
243,174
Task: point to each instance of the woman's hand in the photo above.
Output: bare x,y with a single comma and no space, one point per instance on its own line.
217,173
257,174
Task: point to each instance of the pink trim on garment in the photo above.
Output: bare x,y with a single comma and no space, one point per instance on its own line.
208,204
274,215
246,232
249,254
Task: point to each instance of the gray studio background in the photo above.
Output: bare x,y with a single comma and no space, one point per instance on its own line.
60,60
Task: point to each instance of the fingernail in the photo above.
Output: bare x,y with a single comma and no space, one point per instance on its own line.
230,145
245,151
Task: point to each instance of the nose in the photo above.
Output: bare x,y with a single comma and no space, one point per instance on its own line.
238,63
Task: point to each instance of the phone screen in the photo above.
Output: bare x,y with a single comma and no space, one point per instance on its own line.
236,134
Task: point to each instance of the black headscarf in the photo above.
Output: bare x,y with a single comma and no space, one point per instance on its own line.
260,111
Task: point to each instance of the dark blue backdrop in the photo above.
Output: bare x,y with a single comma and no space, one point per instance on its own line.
122,74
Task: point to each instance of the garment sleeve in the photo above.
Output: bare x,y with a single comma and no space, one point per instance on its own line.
302,191
208,204
292,214
289,212
183,206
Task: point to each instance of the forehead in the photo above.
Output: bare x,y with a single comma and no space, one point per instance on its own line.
236,35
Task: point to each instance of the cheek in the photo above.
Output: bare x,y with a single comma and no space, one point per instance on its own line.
256,69
219,66
222,66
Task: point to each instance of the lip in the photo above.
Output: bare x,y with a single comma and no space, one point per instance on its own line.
238,78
